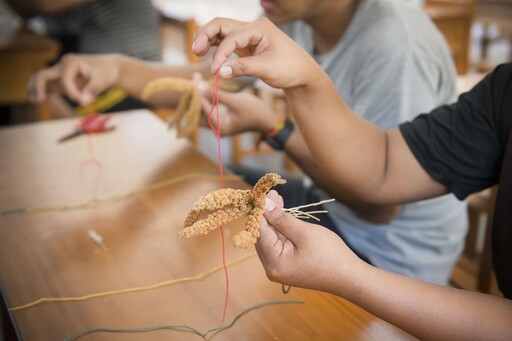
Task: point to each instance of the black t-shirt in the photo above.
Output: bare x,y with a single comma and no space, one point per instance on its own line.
462,145
467,146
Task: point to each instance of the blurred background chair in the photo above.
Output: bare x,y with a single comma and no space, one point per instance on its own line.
454,18
494,29
474,269
22,54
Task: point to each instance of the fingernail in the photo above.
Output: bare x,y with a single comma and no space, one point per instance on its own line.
226,71
269,205
87,97
202,86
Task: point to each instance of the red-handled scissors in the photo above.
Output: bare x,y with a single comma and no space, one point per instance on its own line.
90,125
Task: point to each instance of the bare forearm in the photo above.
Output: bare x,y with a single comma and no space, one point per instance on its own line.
427,311
134,74
296,148
373,166
340,141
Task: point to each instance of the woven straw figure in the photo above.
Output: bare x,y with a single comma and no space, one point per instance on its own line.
188,112
226,205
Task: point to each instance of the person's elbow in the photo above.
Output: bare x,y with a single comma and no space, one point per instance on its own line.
379,215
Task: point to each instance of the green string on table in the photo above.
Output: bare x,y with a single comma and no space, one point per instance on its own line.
184,328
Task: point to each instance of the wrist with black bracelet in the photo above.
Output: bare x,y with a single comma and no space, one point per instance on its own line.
281,132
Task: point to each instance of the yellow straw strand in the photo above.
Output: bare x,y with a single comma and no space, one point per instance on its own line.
310,205
135,289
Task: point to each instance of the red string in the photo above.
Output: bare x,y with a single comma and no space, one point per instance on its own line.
92,160
216,130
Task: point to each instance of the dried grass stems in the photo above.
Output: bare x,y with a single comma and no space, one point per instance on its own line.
297,212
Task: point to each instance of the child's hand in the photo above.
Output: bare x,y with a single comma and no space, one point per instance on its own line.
239,112
264,51
301,254
80,77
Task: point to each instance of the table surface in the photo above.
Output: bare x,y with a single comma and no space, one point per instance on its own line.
26,40
51,254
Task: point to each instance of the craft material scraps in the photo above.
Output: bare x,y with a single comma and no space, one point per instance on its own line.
229,204
98,239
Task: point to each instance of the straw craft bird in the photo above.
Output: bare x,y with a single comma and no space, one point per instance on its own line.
225,205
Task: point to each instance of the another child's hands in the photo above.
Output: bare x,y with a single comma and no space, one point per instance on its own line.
80,77
239,112
264,51
301,254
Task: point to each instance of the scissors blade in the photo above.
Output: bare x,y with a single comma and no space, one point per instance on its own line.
69,136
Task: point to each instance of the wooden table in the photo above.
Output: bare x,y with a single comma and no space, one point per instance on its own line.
23,54
51,255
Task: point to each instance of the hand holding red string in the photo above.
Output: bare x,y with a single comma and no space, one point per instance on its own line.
240,112
263,50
